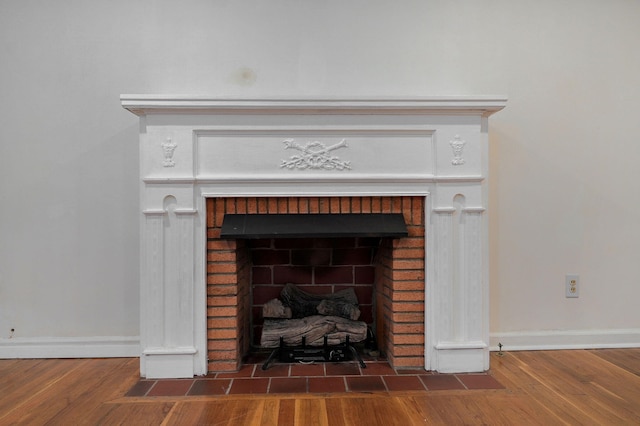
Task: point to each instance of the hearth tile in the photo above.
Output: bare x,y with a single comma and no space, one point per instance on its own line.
288,385
249,386
412,372
178,387
326,385
141,388
307,370
378,369
245,371
342,369
365,384
277,370
441,382
403,383
256,357
480,381
210,387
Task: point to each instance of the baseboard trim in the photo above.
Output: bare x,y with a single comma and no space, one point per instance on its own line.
565,339
129,346
75,347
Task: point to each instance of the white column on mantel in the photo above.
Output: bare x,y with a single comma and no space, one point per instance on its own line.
459,307
167,296
457,294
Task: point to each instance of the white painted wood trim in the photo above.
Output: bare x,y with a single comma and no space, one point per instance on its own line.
140,104
566,339
187,350
353,178
461,345
75,347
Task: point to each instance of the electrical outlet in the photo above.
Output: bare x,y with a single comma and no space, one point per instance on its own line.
572,285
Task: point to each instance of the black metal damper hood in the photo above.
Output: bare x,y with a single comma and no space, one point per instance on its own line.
334,225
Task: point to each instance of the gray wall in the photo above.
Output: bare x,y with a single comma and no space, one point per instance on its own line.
564,151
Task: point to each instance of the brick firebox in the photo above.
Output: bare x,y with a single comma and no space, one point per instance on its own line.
393,279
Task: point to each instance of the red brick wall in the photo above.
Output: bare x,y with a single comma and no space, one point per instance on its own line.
228,300
399,276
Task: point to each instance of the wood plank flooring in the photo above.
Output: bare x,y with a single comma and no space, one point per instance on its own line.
579,387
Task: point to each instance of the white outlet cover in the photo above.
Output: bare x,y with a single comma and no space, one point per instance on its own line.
572,285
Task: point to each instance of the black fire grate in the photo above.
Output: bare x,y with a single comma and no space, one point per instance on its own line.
307,354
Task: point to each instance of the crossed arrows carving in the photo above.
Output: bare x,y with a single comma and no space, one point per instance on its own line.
315,155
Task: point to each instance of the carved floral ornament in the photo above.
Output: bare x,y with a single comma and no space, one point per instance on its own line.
314,155
168,149
457,145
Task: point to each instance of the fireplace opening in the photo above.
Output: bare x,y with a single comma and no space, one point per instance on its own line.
326,284
317,289
314,265
386,274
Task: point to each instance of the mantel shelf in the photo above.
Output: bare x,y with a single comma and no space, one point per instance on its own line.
141,104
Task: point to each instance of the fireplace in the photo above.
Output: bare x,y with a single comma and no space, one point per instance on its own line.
244,274
203,158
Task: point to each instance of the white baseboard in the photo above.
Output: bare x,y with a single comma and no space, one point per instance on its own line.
566,339
73,347
129,346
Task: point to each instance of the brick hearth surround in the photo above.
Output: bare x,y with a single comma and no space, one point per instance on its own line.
399,277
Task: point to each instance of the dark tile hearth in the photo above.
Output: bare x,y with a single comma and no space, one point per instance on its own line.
365,384
326,384
170,387
318,378
404,383
210,387
442,382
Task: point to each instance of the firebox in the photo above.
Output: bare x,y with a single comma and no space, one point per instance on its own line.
292,164
372,245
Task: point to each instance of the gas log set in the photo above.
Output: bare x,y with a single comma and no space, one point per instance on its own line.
304,327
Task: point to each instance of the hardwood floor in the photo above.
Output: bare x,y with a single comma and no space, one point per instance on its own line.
590,387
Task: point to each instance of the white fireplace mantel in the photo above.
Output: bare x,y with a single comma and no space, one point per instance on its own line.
195,147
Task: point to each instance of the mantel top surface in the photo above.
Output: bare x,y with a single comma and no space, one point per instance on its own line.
141,104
